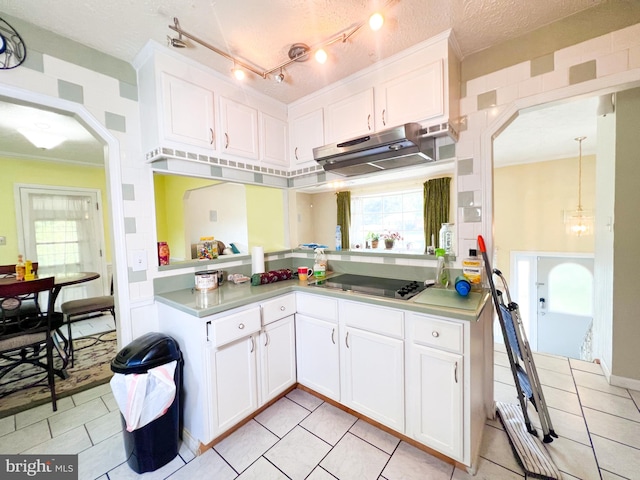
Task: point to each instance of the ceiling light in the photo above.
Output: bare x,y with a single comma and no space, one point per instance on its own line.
238,73
40,139
176,42
280,77
579,222
321,56
375,21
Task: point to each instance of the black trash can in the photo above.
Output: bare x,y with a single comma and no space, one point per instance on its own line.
155,444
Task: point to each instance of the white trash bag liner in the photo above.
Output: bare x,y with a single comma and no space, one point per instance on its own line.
143,397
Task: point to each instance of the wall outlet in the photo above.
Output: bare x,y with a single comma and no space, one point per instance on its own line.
3,241
138,260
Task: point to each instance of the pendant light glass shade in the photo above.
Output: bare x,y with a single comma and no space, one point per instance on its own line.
579,222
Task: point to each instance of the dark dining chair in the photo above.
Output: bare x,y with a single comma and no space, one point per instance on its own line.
24,333
9,271
83,307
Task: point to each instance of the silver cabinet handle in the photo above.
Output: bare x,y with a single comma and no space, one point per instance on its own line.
241,326
211,136
226,138
384,122
266,339
333,331
369,122
295,153
283,308
455,373
253,344
346,340
435,334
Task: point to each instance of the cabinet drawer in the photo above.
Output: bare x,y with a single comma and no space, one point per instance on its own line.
438,333
278,308
373,318
318,307
236,325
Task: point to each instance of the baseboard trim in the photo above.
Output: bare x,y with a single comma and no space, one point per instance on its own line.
624,382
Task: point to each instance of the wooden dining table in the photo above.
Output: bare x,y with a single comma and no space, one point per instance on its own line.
60,280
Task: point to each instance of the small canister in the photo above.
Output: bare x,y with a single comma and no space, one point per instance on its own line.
463,286
206,281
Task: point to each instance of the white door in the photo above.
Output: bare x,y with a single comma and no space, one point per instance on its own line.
435,410
565,304
239,124
278,358
62,230
235,383
318,355
374,376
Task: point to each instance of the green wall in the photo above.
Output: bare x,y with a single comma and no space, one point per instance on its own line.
36,172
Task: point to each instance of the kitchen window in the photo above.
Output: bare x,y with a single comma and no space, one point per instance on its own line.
400,212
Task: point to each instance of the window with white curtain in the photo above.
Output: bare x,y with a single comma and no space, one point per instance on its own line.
61,230
400,212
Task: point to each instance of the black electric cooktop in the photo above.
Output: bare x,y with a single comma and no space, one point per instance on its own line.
380,287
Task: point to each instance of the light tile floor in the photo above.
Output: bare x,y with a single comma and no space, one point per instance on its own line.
302,437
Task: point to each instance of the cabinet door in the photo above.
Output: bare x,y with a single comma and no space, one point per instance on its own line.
350,117
277,358
413,97
318,355
373,370
234,383
273,140
188,112
435,415
307,132
239,125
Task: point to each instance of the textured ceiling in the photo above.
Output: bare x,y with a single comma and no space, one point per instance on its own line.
261,32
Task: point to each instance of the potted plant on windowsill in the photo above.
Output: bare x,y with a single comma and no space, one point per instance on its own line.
372,239
390,239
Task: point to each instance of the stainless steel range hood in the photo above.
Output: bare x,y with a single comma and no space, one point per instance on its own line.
397,147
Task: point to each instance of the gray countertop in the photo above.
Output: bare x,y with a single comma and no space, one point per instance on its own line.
227,296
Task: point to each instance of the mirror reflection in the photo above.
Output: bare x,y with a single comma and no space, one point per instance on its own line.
190,208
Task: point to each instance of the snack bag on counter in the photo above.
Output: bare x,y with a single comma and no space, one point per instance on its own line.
207,248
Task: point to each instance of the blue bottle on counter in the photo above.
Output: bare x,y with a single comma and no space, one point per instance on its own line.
338,238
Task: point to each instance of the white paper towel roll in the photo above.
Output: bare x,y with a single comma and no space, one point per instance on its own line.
257,260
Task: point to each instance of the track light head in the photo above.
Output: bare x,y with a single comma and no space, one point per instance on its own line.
279,78
176,42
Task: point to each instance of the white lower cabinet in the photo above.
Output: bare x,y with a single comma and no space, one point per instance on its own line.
435,407
372,361
232,382
317,355
373,373
277,350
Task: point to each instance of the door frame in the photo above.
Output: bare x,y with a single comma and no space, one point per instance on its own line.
531,257
99,222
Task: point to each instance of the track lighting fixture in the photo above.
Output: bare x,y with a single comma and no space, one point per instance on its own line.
298,52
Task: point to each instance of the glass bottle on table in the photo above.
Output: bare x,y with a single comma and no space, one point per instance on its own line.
20,268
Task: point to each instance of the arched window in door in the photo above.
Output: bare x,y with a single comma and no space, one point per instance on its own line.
570,290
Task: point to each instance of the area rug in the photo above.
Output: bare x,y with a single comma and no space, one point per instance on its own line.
93,355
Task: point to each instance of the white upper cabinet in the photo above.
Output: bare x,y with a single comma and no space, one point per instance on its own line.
239,129
274,139
350,117
415,96
188,112
307,132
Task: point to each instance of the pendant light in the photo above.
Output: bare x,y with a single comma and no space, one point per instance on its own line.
579,222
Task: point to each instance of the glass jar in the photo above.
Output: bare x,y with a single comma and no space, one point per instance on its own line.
446,238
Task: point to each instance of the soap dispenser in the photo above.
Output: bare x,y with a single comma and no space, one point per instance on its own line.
442,271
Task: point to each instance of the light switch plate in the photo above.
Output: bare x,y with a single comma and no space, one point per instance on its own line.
138,260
